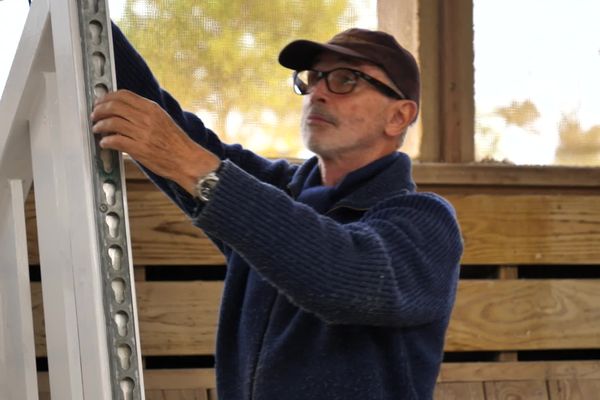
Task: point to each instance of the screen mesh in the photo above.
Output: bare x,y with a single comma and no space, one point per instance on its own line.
219,59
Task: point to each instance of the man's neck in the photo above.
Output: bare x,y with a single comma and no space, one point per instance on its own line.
333,171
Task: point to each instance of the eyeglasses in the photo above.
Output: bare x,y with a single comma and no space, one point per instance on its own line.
340,81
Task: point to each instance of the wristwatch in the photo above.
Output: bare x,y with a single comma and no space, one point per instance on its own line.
206,185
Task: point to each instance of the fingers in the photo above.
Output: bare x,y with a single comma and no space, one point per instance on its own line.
115,125
141,128
124,96
123,104
118,142
122,113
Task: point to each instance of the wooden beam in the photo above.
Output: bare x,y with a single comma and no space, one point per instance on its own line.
446,57
529,178
400,18
456,81
429,38
460,175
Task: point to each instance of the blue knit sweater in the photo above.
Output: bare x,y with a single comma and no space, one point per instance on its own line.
330,293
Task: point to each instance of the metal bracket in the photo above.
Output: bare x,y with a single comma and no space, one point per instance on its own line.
113,244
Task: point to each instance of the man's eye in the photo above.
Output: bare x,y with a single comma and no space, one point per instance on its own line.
346,79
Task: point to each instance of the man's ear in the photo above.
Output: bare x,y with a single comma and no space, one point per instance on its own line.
400,115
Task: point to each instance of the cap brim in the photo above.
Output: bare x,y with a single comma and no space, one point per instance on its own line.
302,54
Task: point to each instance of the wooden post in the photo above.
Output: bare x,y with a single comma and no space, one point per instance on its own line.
88,291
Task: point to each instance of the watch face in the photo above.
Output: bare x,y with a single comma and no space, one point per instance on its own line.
206,186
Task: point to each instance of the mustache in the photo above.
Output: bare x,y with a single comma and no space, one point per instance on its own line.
319,111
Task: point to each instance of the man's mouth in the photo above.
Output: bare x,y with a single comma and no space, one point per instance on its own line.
320,117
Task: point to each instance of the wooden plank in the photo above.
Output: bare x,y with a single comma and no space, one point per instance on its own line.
459,175
459,391
498,229
471,174
519,390
509,229
164,384
505,175
525,315
467,387
574,389
173,379
180,318
176,318
160,233
194,394
516,371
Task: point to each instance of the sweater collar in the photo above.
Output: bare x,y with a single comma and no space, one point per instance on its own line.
393,179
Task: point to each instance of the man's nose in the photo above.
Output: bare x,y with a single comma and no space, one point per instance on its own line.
319,90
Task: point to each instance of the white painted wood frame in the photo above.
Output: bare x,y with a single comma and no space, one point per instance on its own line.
44,139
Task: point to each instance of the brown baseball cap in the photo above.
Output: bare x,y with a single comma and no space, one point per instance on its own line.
377,47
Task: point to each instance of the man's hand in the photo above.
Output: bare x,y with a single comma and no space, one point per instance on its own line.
141,128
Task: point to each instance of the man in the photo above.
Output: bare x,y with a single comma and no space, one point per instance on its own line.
341,278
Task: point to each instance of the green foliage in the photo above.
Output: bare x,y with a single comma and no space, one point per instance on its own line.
220,56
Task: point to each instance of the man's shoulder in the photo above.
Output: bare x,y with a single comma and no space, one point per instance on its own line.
427,202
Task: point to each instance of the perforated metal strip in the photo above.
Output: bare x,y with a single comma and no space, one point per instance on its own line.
113,243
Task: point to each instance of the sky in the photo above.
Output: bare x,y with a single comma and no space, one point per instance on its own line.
547,51
13,14
12,18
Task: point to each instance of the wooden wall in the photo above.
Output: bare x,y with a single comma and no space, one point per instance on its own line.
526,324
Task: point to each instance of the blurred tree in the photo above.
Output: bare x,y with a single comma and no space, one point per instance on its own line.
577,146
487,141
490,127
520,114
220,58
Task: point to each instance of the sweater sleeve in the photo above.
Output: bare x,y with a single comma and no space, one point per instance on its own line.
397,265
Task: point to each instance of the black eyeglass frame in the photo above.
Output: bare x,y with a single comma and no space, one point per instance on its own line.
377,84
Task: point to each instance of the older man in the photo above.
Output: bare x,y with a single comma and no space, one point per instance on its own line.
341,277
